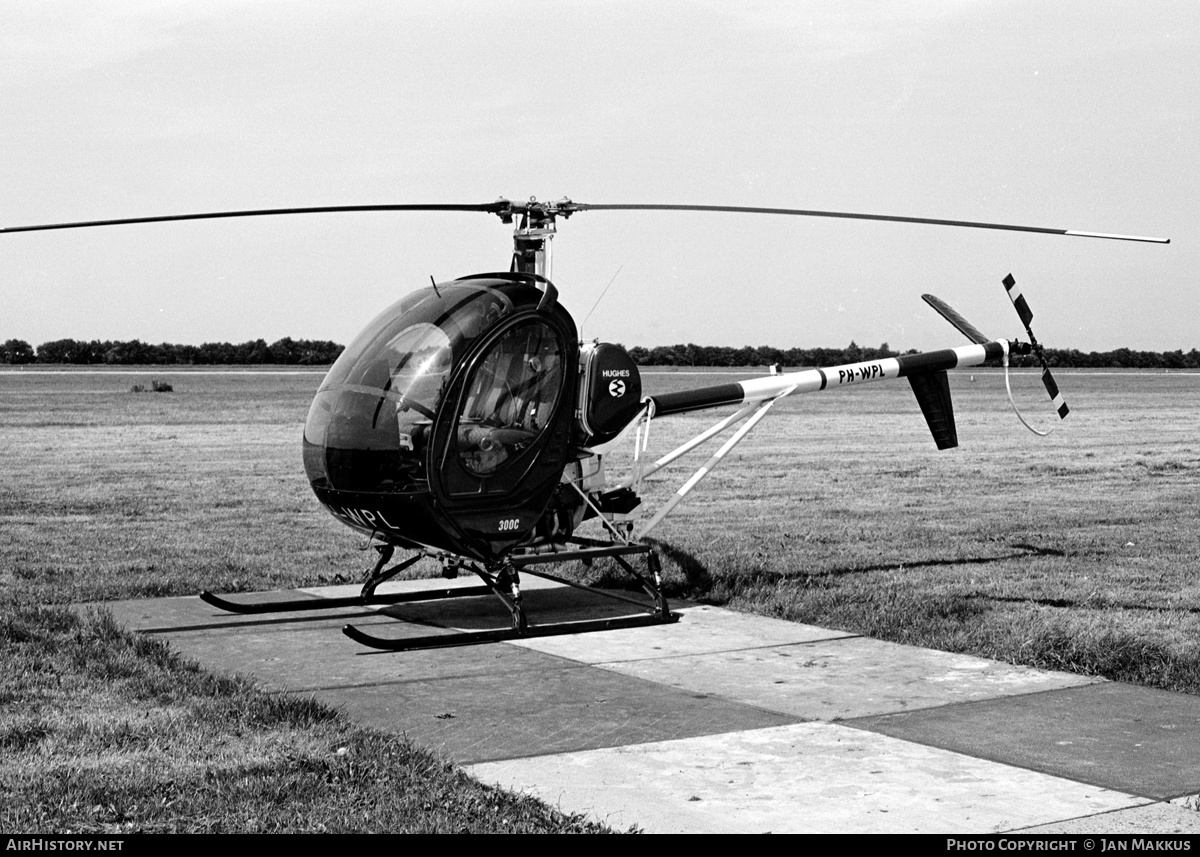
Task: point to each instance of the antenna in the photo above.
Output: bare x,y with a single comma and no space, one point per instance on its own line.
597,303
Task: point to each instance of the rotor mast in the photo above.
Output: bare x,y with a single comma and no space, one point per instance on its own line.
535,229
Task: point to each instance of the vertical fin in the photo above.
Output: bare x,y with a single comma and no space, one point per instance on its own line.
933,395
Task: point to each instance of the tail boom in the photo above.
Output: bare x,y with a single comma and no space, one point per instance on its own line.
815,380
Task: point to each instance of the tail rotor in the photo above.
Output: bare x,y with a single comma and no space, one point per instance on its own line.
1026,314
1014,347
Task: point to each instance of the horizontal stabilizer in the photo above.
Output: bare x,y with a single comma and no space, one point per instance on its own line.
963,326
933,395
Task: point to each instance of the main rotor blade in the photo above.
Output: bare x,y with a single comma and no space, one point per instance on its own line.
963,326
850,215
489,207
566,207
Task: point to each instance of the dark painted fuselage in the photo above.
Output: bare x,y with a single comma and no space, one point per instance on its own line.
447,422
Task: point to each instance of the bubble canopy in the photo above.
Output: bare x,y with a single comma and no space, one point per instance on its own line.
370,420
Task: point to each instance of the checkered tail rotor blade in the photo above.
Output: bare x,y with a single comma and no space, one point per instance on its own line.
1060,404
1026,314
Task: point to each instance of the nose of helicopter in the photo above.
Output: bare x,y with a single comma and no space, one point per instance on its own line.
369,422
446,422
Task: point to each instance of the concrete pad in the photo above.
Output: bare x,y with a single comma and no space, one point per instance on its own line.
1159,818
1140,740
189,612
472,703
311,657
701,630
803,778
707,711
535,711
844,678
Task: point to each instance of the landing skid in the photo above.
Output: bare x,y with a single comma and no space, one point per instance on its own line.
332,603
365,598
504,583
499,635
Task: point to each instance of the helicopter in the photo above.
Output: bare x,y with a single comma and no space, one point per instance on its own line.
468,423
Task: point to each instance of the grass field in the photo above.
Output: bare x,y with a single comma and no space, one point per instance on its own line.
1079,551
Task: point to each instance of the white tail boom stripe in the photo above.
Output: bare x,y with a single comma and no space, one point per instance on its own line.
813,380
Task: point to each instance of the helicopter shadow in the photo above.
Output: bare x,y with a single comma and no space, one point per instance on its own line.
700,584
1084,604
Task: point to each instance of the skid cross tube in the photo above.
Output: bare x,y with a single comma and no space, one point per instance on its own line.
618,553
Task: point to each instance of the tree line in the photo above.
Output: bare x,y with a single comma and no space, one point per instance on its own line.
287,351
710,355
307,352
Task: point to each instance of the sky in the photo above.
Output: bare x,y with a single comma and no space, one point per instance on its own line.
1072,115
